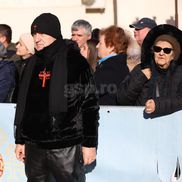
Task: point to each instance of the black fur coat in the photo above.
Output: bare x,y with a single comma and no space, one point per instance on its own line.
64,111
136,89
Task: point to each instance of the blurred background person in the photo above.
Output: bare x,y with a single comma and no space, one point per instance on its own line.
5,39
7,76
141,28
133,53
95,34
112,68
3,52
91,53
81,31
25,49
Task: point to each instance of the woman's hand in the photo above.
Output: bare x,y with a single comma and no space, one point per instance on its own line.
150,106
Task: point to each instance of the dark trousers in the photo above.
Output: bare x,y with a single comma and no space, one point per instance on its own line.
65,165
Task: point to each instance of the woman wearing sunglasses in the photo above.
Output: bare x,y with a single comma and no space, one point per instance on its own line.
156,83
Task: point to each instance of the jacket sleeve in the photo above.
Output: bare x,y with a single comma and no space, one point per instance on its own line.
168,105
131,87
18,138
90,110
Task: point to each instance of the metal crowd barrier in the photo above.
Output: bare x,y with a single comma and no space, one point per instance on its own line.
131,148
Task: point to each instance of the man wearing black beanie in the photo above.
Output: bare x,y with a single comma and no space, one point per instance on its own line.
56,121
47,23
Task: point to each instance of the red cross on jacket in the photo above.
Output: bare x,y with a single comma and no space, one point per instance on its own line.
44,75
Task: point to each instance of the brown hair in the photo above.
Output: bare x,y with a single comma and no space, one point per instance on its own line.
115,36
92,56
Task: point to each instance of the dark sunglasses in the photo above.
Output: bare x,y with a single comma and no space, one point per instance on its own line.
166,50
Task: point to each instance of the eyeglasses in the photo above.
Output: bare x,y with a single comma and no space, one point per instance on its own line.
158,49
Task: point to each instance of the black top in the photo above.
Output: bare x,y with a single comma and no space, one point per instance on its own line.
63,112
108,75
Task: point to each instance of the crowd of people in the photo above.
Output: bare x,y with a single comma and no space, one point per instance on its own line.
58,85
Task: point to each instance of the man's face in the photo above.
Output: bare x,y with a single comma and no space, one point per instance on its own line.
80,36
140,34
42,40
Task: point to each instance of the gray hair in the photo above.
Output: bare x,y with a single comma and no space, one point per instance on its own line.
82,24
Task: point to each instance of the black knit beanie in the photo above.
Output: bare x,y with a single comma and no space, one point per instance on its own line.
47,23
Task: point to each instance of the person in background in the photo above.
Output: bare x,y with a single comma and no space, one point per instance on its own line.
5,39
141,28
112,68
56,120
95,34
3,52
133,53
81,31
156,83
92,56
7,76
91,53
24,49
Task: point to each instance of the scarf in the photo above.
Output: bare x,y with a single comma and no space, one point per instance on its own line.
57,101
